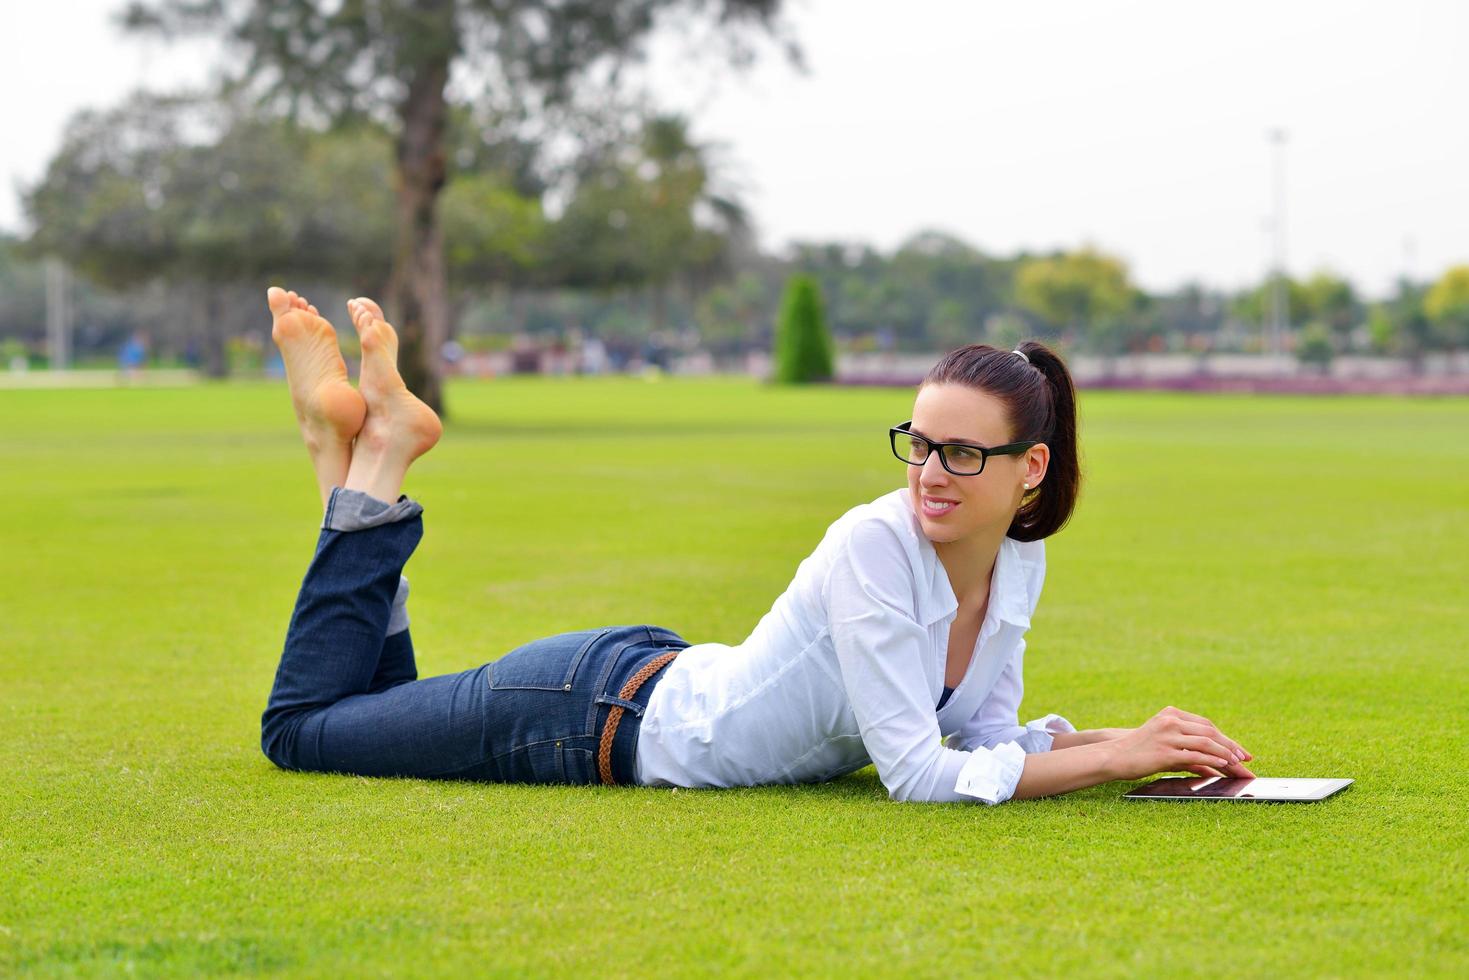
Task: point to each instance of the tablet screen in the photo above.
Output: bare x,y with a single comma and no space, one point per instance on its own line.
1224,788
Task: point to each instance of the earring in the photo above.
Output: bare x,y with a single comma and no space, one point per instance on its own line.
1025,485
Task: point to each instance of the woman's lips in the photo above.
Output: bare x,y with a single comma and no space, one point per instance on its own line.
936,512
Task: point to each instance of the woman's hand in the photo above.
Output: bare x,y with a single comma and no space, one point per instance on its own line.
1177,740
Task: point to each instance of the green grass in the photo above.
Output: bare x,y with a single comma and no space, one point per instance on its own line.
1293,568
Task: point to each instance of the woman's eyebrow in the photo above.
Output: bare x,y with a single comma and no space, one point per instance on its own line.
967,442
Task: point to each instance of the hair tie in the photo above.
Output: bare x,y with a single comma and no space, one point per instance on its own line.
1022,355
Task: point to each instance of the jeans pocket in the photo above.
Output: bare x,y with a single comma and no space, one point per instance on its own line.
547,664
579,766
549,761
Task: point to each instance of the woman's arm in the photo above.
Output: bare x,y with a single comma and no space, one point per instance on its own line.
1089,736
1062,770
1173,740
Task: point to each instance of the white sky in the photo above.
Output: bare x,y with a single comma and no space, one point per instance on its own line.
1140,127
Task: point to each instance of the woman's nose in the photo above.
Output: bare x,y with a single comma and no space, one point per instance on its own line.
933,470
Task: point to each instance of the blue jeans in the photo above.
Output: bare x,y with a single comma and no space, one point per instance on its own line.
347,697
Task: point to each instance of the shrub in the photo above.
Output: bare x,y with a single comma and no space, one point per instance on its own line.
803,347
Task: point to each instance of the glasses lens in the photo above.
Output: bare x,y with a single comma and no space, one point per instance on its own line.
961,460
911,448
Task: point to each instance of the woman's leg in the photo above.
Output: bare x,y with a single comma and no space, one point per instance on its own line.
328,409
399,428
396,664
335,705
346,696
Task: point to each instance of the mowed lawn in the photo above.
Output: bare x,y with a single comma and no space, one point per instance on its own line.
1293,568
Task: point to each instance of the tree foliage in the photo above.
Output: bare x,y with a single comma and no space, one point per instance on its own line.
1087,291
1447,307
391,61
804,350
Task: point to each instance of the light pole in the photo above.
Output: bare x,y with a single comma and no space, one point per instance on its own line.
1279,297
58,315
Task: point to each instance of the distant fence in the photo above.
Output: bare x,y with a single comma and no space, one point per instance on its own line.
1439,374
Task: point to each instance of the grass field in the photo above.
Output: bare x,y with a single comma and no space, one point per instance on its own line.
1293,568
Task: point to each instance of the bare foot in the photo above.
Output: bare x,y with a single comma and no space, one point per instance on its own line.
399,427
328,408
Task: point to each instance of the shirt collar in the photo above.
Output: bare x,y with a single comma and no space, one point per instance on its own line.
1009,599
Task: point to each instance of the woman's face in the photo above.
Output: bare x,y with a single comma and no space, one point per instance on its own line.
955,413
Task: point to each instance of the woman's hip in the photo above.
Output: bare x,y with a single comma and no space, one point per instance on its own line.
549,702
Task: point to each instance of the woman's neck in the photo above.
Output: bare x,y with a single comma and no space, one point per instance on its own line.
970,565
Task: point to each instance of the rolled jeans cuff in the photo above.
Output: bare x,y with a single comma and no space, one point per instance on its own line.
353,510
398,619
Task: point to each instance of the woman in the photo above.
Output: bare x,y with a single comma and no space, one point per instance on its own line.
898,643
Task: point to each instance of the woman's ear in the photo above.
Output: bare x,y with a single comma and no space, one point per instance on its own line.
1037,460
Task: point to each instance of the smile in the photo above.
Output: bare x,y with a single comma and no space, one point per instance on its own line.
933,507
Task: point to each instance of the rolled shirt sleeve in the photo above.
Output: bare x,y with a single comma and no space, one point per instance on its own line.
998,719
880,645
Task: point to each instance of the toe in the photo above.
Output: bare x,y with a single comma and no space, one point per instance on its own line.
278,300
362,321
372,307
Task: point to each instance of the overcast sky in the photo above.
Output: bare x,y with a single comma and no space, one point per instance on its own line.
1139,127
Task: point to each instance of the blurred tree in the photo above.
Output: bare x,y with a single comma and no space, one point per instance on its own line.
1447,307
22,295
1315,345
649,211
1382,331
391,61
1253,305
1412,329
129,199
1085,291
729,314
1332,301
492,234
803,347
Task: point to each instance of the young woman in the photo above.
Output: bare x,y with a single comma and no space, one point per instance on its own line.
899,642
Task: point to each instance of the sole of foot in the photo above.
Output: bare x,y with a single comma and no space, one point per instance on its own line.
331,412
398,423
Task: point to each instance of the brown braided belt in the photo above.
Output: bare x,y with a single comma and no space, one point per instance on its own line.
609,731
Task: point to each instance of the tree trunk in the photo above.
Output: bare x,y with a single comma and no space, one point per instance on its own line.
212,330
418,291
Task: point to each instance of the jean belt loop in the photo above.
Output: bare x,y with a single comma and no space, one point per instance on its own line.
614,715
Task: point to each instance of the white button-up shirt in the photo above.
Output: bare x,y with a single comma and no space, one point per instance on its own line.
845,670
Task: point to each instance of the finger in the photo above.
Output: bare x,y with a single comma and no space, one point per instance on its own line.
1207,746
1209,731
1205,771
1190,716
1237,771
1188,757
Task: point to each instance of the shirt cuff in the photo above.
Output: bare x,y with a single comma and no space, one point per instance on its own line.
991,774
1038,733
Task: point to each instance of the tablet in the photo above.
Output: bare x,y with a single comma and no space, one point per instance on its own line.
1257,790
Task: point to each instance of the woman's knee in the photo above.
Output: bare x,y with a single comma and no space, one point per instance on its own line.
278,739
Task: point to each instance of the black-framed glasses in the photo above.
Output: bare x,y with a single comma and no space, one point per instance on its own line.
959,458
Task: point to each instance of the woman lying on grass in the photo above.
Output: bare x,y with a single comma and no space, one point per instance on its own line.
899,642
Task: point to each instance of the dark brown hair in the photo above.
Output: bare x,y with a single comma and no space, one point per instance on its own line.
1041,401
